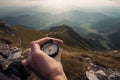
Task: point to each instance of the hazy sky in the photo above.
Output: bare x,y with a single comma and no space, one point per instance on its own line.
60,5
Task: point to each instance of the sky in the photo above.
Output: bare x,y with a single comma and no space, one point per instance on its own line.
56,4
59,5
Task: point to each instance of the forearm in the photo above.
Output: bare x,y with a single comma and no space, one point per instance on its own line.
57,74
59,77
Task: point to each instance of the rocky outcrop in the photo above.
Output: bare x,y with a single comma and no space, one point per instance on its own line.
95,72
9,54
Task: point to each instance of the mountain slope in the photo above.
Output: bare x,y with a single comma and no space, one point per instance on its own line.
107,25
105,31
19,35
7,33
72,42
72,39
115,39
109,29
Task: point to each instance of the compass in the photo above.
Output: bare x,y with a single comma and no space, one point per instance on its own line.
50,48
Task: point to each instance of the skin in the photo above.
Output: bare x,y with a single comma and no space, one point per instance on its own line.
45,67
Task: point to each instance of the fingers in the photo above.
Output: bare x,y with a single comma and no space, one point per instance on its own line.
35,47
58,57
46,39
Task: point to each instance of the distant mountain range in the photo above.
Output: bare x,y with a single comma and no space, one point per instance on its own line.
39,20
105,31
91,25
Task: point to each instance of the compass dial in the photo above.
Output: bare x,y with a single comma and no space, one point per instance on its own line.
50,48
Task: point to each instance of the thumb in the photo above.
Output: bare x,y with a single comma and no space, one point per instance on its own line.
35,49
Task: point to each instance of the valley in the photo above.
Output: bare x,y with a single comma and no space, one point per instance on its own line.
94,25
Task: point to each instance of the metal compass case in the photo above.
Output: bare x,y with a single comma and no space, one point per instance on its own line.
50,48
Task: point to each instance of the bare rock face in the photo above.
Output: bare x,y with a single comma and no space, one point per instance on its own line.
9,54
96,72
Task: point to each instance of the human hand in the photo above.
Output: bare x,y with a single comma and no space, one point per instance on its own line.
45,67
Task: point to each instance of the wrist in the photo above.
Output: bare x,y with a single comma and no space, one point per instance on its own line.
58,74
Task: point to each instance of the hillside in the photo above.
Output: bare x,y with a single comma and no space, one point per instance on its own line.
7,34
21,36
77,64
105,31
115,39
109,29
107,25
72,39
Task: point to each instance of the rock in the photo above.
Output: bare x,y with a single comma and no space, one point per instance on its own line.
101,72
86,59
91,76
7,25
17,55
95,52
96,72
116,51
9,54
113,77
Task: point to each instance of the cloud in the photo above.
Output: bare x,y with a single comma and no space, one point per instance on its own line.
56,6
116,1
61,3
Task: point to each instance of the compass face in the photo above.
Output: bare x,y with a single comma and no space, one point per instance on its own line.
50,49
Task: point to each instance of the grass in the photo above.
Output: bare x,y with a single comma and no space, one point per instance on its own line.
27,35
75,67
72,55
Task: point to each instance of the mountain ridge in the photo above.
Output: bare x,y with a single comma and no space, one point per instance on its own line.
39,20
66,33
71,39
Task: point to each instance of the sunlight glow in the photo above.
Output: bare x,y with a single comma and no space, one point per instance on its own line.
59,1
63,5
59,5
53,5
